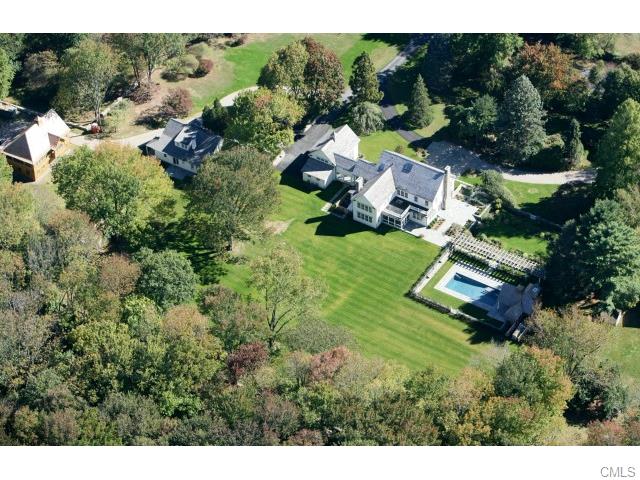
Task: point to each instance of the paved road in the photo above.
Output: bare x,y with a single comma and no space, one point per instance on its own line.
461,159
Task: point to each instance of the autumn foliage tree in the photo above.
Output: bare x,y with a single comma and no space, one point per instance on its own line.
548,67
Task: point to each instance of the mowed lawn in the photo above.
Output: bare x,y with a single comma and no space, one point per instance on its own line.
367,274
371,146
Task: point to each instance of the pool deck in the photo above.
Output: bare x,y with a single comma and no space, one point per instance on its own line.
474,275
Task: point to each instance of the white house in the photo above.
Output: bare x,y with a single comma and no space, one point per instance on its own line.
397,191
183,146
320,167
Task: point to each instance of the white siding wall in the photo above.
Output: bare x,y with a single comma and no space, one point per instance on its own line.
439,197
308,178
374,214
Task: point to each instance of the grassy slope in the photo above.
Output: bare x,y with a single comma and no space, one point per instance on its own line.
367,274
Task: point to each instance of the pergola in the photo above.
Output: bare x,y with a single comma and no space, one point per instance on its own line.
469,245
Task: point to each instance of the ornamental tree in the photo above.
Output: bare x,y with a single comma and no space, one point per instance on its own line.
574,150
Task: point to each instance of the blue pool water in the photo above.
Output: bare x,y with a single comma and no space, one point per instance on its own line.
473,289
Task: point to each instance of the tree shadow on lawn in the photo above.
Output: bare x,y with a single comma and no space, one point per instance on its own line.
399,40
332,226
568,202
179,236
479,333
508,225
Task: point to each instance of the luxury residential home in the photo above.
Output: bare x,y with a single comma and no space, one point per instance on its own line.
183,147
32,150
396,191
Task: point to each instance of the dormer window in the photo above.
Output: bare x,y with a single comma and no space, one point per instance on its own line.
185,146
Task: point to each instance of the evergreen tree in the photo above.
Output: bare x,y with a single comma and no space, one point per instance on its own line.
618,156
596,255
574,149
420,113
364,81
521,121
215,117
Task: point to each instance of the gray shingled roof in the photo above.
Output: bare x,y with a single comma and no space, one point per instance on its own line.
415,177
206,142
344,163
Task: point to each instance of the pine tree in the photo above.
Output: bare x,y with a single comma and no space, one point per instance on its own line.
521,121
618,156
419,114
574,149
364,81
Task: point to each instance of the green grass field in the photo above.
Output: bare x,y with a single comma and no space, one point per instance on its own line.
517,233
371,146
367,274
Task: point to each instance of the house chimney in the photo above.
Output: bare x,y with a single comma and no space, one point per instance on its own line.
40,120
448,187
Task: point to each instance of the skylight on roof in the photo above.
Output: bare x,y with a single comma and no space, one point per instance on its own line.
406,168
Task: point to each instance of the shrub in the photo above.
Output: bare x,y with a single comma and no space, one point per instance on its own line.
143,94
493,184
365,118
238,40
177,103
552,155
204,67
180,68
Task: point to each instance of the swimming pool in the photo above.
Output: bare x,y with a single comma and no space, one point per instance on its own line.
474,289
